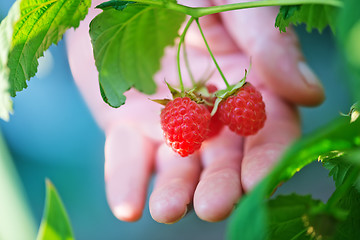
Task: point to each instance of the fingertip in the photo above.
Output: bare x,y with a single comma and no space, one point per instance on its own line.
126,204
169,203
126,212
217,195
314,85
219,188
212,214
174,186
128,166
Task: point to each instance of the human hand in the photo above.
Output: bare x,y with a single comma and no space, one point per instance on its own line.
214,178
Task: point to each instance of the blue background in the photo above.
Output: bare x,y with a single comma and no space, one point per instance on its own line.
52,135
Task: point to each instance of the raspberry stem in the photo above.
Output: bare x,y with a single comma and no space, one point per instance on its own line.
182,38
187,64
211,54
197,12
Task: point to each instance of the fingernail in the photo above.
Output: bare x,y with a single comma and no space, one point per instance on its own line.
184,214
308,74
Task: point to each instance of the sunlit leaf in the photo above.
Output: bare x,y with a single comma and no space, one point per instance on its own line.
55,224
338,167
6,33
41,24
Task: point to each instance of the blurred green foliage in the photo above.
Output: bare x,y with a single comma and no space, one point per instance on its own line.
55,224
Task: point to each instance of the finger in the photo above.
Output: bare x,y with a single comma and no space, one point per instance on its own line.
175,185
263,150
276,56
128,165
219,188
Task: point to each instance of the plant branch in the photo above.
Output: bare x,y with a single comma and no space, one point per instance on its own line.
202,11
187,64
197,12
212,55
182,37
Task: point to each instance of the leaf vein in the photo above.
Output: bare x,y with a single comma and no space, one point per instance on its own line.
27,39
121,28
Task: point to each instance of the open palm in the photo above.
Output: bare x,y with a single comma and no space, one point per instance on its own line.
214,178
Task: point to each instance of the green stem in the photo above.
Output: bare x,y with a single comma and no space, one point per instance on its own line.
211,54
187,64
182,37
236,6
297,236
197,12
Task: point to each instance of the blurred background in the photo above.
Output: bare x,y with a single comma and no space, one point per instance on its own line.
52,135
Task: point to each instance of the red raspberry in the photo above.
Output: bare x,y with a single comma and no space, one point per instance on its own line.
211,88
215,124
185,125
243,112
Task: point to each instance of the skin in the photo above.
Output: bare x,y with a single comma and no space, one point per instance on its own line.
214,178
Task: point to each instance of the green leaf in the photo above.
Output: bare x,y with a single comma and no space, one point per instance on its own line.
348,36
283,19
313,15
41,23
349,229
14,208
6,32
55,224
337,165
340,135
128,46
345,170
301,217
116,4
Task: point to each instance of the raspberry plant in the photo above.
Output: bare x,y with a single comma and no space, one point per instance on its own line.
32,26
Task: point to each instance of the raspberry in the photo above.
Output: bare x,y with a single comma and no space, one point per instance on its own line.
185,125
215,124
243,112
211,88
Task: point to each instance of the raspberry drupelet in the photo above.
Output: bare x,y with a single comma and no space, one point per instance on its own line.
244,112
185,125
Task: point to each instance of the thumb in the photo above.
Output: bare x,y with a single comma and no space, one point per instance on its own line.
276,57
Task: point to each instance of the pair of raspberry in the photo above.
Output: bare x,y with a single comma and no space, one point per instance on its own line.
186,124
